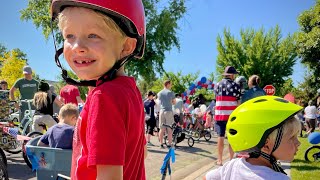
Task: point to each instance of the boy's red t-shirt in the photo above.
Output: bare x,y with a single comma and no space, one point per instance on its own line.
110,131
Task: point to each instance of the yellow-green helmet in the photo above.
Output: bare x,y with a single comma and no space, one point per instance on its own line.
250,124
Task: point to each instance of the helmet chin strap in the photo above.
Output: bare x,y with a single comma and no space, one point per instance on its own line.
270,157
108,76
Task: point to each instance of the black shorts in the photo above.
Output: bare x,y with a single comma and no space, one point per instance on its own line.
220,128
151,124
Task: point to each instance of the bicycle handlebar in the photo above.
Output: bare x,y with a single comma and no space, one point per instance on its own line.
26,100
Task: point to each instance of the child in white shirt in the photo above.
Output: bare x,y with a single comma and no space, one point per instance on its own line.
264,130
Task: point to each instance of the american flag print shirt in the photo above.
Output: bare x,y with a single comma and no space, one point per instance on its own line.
227,96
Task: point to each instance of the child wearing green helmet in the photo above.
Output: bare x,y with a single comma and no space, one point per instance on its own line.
263,130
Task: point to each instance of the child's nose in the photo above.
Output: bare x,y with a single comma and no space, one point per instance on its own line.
80,46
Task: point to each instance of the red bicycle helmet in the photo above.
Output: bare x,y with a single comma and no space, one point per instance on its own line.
128,15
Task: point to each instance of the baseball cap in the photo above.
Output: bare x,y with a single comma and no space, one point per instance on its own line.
27,70
3,82
229,70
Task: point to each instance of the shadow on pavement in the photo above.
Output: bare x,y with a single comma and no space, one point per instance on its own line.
20,171
158,151
193,150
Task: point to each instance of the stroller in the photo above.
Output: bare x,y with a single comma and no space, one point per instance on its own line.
197,128
177,135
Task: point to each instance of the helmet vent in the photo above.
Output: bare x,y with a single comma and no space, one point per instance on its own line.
233,131
281,100
233,118
260,100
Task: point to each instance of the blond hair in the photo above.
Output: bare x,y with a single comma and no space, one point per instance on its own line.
68,110
111,25
290,128
40,100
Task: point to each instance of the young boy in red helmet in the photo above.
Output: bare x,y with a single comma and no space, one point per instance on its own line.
99,38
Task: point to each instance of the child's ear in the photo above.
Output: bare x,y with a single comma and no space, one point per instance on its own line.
267,148
128,46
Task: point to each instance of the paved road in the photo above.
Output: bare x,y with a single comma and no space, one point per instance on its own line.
188,160
18,169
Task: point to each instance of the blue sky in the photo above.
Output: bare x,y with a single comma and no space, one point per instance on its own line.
204,21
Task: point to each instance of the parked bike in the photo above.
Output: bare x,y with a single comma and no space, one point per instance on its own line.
313,152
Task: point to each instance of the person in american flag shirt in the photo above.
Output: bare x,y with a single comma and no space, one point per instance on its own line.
227,99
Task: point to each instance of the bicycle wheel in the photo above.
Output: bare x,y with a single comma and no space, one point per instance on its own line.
17,147
190,142
165,139
3,171
32,134
207,136
311,153
3,157
197,135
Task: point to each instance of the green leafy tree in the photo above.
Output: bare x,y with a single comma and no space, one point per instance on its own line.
308,47
306,90
3,50
180,82
20,54
162,26
287,87
11,69
266,54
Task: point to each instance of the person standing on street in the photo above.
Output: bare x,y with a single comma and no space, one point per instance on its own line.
27,87
167,99
310,115
70,94
179,106
254,89
227,99
151,122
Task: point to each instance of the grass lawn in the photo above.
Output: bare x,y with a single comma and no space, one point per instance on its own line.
301,169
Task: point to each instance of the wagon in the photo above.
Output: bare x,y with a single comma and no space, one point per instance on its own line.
48,162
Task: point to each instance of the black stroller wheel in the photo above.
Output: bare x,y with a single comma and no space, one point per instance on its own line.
190,142
207,136
312,153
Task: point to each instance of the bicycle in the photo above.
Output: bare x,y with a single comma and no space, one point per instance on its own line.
313,152
24,127
177,133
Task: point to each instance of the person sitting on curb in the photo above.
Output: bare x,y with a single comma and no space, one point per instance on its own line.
60,135
275,137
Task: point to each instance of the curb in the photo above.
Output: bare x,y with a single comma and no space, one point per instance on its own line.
204,169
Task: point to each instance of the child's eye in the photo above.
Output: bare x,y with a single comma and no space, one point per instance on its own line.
69,36
93,36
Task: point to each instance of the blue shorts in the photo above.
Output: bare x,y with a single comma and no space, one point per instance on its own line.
220,128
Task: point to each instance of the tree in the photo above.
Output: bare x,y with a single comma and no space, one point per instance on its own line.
265,54
82,89
12,67
3,50
162,26
308,47
287,88
179,81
